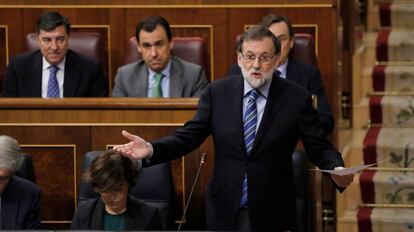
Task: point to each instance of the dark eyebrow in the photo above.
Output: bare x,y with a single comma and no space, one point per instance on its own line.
282,36
159,42
155,43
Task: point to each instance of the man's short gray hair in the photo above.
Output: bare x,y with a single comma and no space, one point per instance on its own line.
258,32
10,153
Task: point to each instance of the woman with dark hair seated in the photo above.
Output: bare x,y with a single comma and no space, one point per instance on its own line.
112,175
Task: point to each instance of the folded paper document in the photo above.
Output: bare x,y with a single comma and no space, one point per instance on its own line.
350,170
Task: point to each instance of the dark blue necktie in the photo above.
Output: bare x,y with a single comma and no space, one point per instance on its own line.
249,128
53,85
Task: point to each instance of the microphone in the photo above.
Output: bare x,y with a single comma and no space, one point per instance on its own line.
202,161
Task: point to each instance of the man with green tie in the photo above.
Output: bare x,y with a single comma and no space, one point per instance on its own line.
158,74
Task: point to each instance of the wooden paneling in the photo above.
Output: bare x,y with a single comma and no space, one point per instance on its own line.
3,47
218,24
58,143
58,160
162,3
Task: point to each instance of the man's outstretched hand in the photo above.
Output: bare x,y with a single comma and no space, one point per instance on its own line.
137,148
342,181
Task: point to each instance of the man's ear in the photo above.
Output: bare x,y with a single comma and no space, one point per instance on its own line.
239,59
277,61
38,40
171,44
292,42
138,47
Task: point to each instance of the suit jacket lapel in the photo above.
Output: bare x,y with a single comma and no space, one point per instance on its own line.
72,76
97,217
34,82
9,208
140,86
234,105
273,103
291,73
133,220
175,79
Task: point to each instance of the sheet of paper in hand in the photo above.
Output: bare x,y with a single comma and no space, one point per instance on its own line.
350,170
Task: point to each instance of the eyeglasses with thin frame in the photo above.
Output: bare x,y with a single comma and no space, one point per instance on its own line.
263,59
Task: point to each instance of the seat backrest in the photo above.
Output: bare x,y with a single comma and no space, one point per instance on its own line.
89,44
304,49
154,186
26,169
191,49
303,193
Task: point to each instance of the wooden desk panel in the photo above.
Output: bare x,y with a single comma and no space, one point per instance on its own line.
58,132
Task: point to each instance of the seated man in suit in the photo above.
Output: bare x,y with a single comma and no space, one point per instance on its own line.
306,75
158,74
54,71
112,175
19,198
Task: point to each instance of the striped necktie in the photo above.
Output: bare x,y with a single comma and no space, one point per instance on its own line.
156,88
53,85
249,128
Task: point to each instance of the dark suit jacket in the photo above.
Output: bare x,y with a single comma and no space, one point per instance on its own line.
83,77
139,216
20,205
309,77
288,117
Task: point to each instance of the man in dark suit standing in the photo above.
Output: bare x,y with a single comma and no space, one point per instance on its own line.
306,75
256,120
54,71
19,198
158,73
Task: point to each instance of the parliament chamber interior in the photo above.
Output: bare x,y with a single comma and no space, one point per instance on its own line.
362,48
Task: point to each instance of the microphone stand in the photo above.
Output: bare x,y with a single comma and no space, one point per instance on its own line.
203,159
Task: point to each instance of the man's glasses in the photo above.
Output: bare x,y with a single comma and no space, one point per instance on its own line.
263,59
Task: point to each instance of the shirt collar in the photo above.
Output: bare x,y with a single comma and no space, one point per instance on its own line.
263,91
165,71
46,64
282,69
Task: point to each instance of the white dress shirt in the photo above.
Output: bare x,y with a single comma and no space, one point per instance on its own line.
165,82
282,69
260,101
59,75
